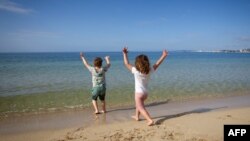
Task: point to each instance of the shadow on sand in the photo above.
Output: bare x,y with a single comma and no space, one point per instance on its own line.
147,105
200,110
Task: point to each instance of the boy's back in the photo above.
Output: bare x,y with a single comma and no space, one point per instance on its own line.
98,76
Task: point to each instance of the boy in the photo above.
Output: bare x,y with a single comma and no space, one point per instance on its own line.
98,80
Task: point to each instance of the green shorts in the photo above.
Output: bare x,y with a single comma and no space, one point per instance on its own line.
99,91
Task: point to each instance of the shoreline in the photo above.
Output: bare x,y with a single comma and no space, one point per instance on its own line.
79,108
52,124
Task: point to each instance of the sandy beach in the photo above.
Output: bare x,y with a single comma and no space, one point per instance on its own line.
200,120
186,61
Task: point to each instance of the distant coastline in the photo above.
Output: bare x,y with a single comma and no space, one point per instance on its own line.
226,51
236,51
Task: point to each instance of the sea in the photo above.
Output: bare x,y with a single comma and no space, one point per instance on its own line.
48,82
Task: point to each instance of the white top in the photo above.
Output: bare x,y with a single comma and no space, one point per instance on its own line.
141,80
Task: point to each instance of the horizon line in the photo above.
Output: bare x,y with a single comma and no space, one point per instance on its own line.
180,50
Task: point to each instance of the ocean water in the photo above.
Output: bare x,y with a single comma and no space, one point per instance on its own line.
34,82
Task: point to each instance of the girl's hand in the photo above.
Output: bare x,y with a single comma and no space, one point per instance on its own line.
164,53
125,50
81,54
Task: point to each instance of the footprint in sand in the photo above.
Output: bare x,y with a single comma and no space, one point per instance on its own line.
225,117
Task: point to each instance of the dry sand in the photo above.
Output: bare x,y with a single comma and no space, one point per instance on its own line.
189,127
181,123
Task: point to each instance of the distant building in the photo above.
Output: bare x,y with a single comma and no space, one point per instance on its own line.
245,50
236,51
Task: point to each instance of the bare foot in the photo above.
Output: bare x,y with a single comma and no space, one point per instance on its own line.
151,123
97,112
103,111
135,118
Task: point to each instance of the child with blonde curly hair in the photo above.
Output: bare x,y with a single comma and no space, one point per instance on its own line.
142,72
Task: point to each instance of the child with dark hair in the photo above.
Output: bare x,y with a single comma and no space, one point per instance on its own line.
142,71
98,80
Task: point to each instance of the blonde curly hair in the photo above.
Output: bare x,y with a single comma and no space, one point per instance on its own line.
142,64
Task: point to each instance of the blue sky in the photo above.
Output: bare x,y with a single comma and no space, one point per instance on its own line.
108,25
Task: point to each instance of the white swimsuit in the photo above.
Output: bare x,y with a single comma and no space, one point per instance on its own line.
141,81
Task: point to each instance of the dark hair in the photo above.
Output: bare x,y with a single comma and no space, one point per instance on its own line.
98,62
142,64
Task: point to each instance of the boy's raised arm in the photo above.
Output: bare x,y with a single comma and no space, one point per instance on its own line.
107,61
160,60
125,58
85,62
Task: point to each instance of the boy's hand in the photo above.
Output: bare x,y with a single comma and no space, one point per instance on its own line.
106,57
164,53
81,54
107,61
125,50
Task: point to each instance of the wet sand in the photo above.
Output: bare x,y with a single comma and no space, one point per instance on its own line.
188,120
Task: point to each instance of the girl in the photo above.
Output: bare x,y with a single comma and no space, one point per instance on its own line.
142,71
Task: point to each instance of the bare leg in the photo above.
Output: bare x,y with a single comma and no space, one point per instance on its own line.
140,98
137,113
103,106
95,106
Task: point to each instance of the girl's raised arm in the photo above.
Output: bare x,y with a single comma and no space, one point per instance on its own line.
125,58
160,60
